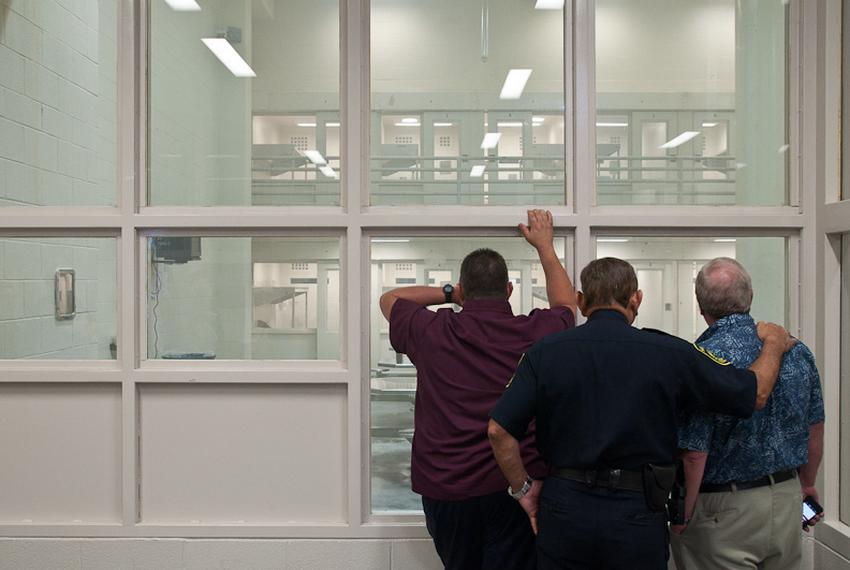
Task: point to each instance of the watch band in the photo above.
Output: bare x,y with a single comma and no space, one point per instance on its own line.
448,292
523,491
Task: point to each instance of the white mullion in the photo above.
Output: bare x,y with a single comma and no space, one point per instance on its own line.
569,107
585,107
354,88
829,351
131,99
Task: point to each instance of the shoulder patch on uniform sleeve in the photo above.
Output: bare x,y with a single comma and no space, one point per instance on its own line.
712,356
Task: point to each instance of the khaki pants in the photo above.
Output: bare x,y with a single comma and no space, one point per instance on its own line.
751,529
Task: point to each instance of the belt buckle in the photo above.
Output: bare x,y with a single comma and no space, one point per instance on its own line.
613,478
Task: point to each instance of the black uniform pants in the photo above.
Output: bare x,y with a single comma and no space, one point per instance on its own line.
487,532
589,528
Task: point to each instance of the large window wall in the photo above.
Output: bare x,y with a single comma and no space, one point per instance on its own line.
270,182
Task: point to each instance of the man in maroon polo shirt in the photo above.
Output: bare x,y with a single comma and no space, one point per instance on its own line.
463,362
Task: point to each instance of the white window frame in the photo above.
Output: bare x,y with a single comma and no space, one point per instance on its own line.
356,222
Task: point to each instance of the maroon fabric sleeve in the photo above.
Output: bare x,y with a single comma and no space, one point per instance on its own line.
408,321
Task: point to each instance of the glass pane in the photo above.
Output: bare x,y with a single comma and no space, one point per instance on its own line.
698,114
844,492
456,117
58,298
58,127
397,262
666,268
220,136
256,298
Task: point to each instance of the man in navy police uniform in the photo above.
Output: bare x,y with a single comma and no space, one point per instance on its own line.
606,398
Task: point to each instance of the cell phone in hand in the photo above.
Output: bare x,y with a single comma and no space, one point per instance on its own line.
811,509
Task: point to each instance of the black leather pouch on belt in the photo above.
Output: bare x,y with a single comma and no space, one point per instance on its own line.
657,482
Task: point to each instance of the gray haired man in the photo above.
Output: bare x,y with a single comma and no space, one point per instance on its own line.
746,478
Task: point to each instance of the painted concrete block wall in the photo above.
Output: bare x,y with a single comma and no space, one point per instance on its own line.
28,326
203,305
200,114
58,102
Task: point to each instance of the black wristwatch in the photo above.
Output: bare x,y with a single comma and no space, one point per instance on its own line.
448,291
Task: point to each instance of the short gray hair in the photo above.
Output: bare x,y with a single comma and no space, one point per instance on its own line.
724,288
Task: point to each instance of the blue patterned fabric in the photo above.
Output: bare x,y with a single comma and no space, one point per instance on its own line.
774,438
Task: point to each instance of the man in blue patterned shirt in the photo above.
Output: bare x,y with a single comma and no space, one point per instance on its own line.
744,478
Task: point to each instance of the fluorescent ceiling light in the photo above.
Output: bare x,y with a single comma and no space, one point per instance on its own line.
549,5
477,171
725,240
390,240
612,240
491,140
328,171
680,139
538,119
709,125
443,124
510,124
408,125
612,124
306,124
315,157
183,5
331,124
227,55
514,83
410,120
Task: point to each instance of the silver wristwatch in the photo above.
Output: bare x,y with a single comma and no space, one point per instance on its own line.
523,491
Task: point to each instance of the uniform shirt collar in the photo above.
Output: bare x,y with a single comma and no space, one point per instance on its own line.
488,305
607,315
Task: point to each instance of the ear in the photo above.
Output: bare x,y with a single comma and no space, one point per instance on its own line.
459,292
635,300
580,300
509,289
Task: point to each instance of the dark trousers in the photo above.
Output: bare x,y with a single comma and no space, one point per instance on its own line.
590,528
485,532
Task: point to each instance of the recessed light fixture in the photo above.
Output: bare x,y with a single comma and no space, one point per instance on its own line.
183,5
514,83
331,124
477,171
680,139
709,125
328,171
612,240
538,119
227,54
390,240
612,124
410,120
443,124
509,124
315,157
491,140
306,124
408,125
725,240
549,5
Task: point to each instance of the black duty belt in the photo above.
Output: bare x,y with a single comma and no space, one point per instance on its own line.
773,478
610,478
